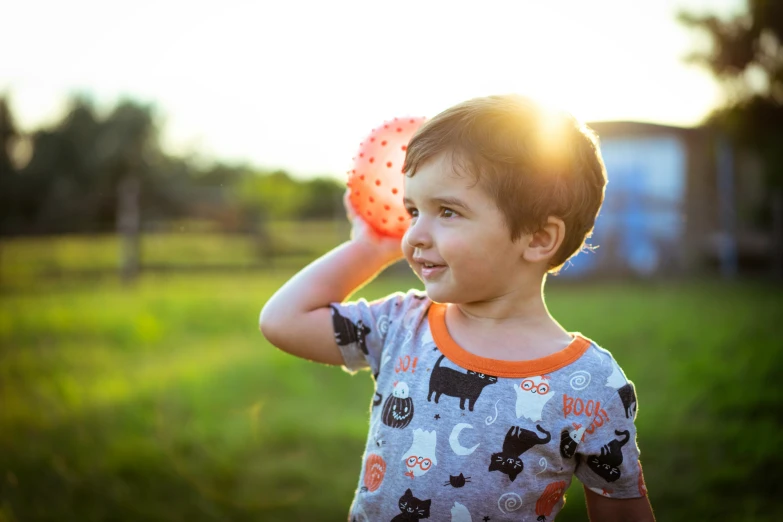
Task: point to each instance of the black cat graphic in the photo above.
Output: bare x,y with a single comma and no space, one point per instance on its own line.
377,400
607,464
567,444
628,396
346,332
412,508
466,386
517,441
457,481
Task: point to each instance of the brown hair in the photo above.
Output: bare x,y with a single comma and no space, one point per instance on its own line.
534,162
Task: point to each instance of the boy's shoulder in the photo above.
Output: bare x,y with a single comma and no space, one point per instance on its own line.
412,296
599,359
384,311
396,305
595,350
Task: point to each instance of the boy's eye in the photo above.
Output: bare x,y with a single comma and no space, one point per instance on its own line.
412,212
447,212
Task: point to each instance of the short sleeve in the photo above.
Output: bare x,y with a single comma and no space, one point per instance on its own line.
361,328
608,456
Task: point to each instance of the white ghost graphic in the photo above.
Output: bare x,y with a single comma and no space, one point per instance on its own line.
616,379
577,433
421,455
460,513
532,394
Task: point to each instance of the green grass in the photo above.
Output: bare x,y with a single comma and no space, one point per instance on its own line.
162,401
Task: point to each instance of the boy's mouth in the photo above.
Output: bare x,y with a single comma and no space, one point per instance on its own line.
431,270
428,268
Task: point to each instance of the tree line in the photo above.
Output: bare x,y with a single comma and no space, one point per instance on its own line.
67,177
745,55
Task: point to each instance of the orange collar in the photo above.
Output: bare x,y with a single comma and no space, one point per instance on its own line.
497,367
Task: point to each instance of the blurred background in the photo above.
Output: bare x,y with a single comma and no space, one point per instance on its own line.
166,166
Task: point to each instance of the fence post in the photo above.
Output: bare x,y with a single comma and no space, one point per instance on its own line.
128,225
727,252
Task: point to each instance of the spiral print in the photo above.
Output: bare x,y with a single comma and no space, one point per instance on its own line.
383,324
543,463
579,380
512,502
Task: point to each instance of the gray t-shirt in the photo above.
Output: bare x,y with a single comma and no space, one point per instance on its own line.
458,437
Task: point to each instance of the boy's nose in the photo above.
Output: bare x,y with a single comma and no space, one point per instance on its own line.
417,235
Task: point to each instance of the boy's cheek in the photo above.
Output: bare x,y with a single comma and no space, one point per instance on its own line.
407,250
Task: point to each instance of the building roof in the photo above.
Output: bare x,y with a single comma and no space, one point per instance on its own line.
606,129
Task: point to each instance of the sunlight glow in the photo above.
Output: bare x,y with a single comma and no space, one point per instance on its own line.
298,84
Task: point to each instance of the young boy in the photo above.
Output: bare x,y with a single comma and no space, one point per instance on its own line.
485,407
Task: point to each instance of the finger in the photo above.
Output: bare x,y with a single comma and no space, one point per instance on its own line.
350,212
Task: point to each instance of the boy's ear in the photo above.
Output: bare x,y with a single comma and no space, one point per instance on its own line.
543,244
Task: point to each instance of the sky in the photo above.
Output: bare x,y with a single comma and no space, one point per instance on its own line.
297,85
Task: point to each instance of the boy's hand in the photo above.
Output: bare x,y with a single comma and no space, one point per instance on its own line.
390,247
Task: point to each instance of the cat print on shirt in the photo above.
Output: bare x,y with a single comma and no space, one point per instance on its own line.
466,386
412,508
346,332
532,394
607,464
517,441
457,481
569,440
625,390
628,396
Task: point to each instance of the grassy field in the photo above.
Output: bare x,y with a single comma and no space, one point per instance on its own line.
162,401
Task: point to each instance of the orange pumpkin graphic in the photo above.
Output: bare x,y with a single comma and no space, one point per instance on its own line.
548,499
374,470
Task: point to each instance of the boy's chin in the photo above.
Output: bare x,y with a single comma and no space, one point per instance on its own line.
438,295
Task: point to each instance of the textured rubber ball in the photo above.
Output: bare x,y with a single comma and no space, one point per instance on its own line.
376,177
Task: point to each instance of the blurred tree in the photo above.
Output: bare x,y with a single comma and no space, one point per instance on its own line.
322,199
57,185
8,135
72,181
277,196
746,55
274,196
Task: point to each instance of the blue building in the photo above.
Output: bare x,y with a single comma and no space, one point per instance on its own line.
674,203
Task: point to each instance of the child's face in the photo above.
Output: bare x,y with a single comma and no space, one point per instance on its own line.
457,228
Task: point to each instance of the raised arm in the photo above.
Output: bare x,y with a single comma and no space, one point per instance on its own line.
297,318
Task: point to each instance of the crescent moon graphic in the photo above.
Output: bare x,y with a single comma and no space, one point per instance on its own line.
454,440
